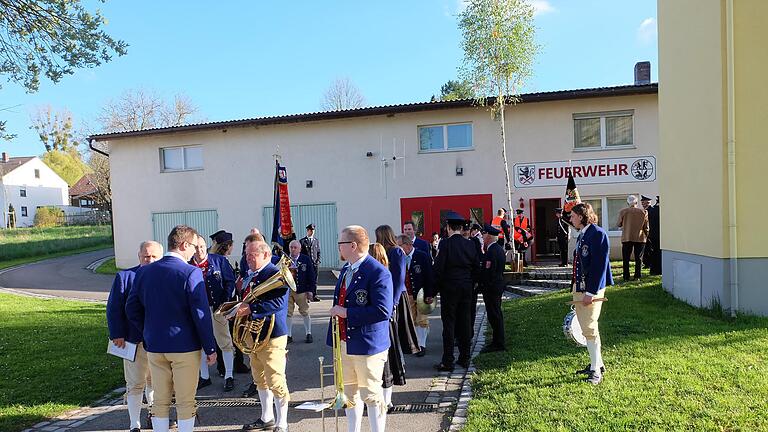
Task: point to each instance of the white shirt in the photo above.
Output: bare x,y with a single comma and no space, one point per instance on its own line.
175,254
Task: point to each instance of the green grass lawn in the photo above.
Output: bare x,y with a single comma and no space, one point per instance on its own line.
41,243
52,357
108,267
669,367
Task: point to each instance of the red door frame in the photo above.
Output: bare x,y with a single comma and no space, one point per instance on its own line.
532,206
431,206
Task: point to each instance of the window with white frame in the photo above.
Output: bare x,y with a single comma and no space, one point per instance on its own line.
23,211
446,137
185,158
607,210
606,130
23,192
37,173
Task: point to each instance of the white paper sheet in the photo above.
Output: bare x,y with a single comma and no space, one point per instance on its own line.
312,406
128,352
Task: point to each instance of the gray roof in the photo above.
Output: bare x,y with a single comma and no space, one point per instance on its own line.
625,90
13,163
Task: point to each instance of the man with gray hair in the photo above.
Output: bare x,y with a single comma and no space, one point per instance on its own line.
137,378
303,270
633,222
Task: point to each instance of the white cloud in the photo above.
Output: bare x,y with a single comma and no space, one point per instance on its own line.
646,33
541,7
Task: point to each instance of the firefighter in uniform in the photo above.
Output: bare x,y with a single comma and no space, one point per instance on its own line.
563,229
522,236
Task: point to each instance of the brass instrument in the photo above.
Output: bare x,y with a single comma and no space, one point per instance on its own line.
245,332
341,400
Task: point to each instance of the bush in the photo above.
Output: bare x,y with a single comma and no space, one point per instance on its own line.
48,217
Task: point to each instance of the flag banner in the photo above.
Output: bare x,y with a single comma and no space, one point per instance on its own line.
282,226
571,195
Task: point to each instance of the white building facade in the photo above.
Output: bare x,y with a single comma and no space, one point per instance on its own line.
28,183
385,165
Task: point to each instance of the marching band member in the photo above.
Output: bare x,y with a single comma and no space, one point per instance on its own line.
220,287
591,274
418,276
137,377
492,285
409,231
267,364
305,286
363,303
169,304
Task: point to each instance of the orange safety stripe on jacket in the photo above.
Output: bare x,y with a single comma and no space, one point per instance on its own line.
525,224
496,223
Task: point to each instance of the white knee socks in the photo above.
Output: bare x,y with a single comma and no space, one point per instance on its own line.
186,425
267,400
204,366
377,417
159,424
355,416
594,357
281,407
421,335
134,410
290,326
387,395
149,392
308,324
229,361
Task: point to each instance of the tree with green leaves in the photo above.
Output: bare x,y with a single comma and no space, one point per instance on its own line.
499,50
455,90
66,164
52,38
62,155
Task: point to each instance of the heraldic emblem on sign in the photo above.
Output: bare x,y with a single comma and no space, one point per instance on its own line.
526,174
642,169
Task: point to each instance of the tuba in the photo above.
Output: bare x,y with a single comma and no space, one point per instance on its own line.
245,331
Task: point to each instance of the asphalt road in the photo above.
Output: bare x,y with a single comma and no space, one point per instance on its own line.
219,411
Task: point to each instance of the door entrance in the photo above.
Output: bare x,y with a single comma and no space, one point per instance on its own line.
428,213
544,228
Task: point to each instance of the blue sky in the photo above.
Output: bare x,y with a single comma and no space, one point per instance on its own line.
242,59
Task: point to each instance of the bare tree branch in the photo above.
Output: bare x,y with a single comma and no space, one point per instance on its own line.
341,95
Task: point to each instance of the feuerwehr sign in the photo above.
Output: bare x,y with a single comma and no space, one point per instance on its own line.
588,171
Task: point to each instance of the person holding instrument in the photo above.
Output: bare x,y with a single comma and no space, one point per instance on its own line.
591,274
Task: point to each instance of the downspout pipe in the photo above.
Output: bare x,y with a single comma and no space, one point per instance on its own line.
90,145
733,245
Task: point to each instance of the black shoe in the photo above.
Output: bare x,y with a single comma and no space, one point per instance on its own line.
251,391
442,367
279,429
135,430
290,339
308,338
594,378
229,384
148,420
202,383
241,368
422,352
588,370
492,348
390,408
315,298
259,425
463,363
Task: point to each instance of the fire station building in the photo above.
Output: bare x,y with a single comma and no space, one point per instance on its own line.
389,164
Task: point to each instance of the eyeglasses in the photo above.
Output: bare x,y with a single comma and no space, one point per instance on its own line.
344,242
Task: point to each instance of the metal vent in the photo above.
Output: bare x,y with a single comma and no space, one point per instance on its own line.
414,408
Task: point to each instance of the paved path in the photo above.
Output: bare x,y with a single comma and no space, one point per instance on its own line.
427,403
63,277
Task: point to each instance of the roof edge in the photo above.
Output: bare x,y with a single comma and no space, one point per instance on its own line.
559,95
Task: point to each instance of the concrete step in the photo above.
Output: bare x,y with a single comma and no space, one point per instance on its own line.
529,291
546,283
560,274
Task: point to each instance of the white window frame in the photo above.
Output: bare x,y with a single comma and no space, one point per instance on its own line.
445,137
22,192
602,116
183,149
24,211
604,222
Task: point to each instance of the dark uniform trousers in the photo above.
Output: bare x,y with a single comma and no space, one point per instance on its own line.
492,287
562,241
456,314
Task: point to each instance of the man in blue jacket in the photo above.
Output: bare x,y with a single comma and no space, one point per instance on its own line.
409,230
220,287
418,276
305,287
267,364
137,378
169,305
363,305
592,273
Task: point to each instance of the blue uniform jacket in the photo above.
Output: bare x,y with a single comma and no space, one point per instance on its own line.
594,267
168,303
305,271
396,258
272,302
369,307
420,273
117,321
422,245
220,281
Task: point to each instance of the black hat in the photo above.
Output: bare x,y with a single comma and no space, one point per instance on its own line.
467,226
505,210
488,229
453,217
558,210
311,226
476,227
518,211
221,236
644,198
